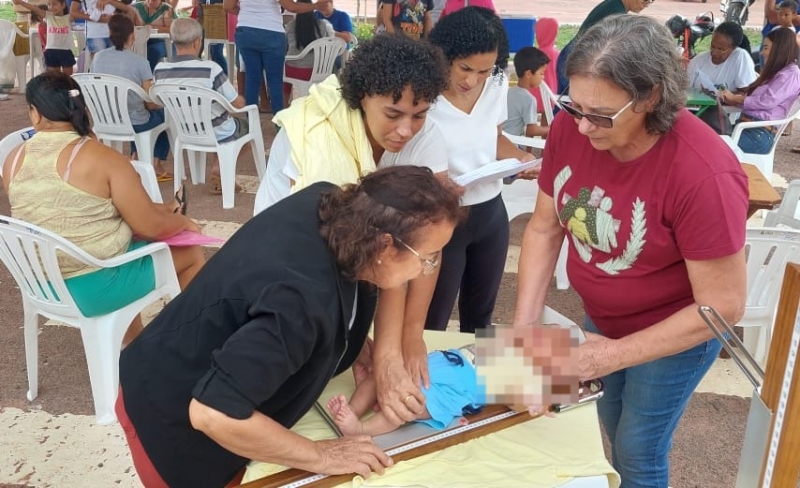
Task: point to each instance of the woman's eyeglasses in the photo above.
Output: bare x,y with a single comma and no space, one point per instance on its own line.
604,121
428,265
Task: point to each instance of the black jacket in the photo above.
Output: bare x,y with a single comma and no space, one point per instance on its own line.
263,326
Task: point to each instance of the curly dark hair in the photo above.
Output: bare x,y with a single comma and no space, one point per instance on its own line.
396,200
387,64
472,30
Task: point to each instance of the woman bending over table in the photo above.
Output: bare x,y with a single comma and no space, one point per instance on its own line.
373,114
67,182
654,206
230,365
772,94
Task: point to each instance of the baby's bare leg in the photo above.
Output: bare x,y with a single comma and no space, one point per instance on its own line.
364,397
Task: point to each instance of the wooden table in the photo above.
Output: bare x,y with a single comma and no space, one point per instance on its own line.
698,101
762,195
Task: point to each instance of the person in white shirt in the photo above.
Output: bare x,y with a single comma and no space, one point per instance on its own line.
96,17
372,115
725,65
470,114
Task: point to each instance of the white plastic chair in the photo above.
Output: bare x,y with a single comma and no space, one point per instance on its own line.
146,172
141,34
788,213
189,114
764,162
107,99
520,198
349,52
549,99
29,252
11,141
325,51
768,251
8,32
37,54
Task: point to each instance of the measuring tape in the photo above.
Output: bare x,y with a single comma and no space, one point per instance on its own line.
780,411
419,443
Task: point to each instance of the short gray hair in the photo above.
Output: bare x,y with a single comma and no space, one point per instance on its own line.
185,31
637,54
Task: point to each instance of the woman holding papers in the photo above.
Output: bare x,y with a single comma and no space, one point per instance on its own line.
470,114
772,95
231,364
67,182
654,206
373,114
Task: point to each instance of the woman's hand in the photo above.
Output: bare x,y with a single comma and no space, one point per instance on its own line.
399,397
415,357
596,357
351,454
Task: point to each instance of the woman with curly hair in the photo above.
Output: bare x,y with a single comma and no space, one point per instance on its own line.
470,114
654,206
373,115
231,364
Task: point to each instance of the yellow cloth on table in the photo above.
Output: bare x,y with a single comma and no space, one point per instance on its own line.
542,453
329,140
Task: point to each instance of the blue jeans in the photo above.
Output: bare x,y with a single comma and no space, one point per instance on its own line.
263,51
161,150
156,50
757,140
641,407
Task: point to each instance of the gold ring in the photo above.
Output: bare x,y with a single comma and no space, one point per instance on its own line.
407,398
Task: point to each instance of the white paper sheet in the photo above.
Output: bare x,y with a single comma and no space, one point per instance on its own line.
495,170
703,82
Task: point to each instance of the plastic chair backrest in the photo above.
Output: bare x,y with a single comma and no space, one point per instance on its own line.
141,36
29,253
768,251
11,141
325,52
189,111
107,99
788,213
549,100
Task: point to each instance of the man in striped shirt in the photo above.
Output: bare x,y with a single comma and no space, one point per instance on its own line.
187,69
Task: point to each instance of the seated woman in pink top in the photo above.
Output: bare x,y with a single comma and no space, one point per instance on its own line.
772,94
64,180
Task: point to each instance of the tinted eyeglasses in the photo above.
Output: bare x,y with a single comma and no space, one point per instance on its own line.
604,121
429,264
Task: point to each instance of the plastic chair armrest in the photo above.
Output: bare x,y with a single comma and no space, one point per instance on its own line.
151,249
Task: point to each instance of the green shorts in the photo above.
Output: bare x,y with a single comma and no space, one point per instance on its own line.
106,290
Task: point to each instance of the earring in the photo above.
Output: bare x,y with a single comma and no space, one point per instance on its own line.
379,262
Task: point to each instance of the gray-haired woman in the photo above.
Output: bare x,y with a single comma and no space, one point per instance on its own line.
654,205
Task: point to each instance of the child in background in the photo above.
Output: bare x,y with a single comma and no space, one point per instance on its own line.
546,32
530,64
787,9
453,392
58,40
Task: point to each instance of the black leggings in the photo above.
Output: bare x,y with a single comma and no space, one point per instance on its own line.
473,261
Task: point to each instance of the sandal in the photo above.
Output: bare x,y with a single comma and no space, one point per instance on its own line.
165,176
180,197
216,185
795,149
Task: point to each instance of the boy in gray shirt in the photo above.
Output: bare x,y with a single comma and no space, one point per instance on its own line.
530,64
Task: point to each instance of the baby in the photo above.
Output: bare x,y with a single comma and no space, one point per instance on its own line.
453,392
528,367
